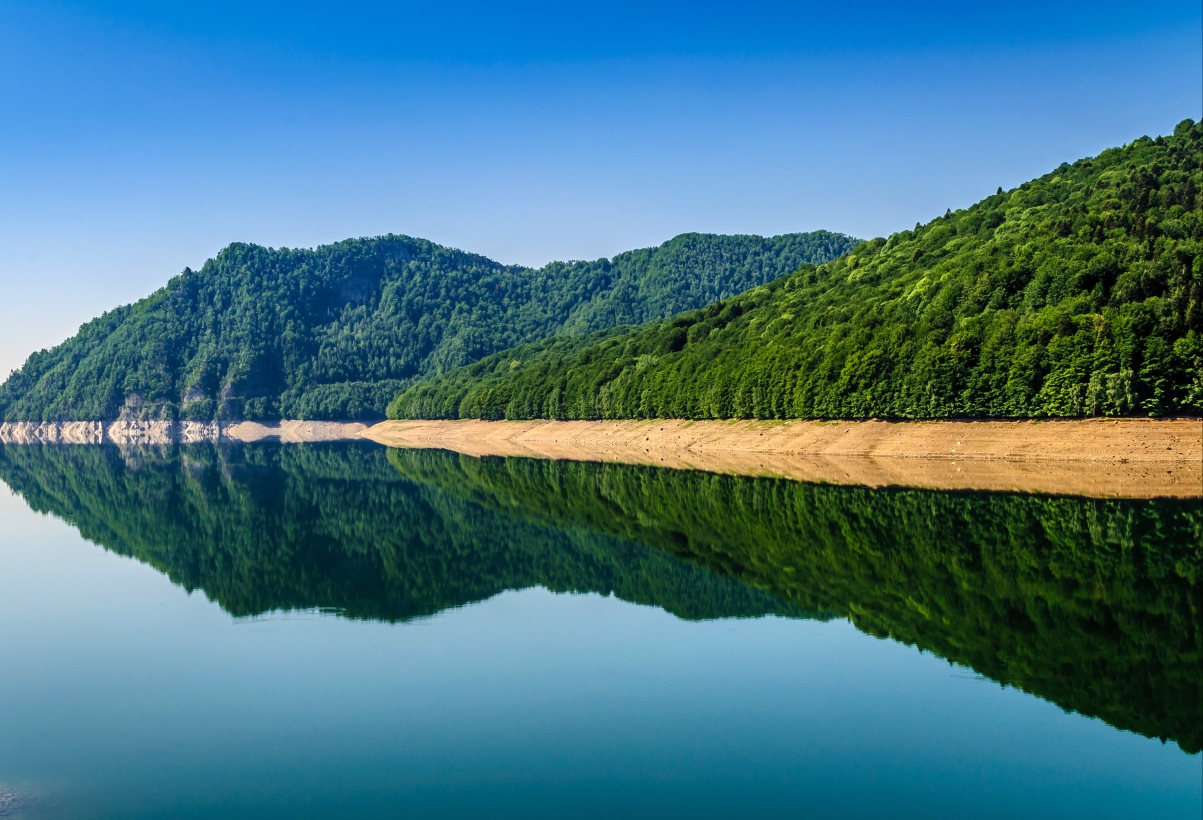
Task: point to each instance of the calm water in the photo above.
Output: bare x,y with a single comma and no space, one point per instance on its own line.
343,630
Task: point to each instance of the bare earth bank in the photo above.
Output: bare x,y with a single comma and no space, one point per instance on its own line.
128,432
1136,458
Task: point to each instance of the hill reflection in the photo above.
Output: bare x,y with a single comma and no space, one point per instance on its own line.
1091,604
263,527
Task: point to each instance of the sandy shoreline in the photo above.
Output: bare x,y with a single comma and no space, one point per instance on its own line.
1136,458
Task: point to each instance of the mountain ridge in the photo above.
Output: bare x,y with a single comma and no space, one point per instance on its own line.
337,331
1079,293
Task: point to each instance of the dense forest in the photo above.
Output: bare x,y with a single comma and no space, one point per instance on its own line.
1076,294
338,331
1092,604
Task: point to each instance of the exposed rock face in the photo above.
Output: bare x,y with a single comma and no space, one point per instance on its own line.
135,432
130,431
68,432
294,431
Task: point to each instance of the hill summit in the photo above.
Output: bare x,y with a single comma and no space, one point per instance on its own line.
337,331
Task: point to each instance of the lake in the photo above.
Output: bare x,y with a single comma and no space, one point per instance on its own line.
345,630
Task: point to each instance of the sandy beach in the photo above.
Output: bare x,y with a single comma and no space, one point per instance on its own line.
1135,458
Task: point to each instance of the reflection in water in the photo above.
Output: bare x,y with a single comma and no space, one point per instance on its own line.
1094,605
263,527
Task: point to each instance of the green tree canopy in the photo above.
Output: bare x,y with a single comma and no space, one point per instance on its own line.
1076,294
337,331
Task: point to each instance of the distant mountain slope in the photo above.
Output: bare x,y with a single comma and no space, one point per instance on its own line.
337,331
1076,294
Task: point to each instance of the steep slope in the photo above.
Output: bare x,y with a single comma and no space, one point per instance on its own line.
1076,294
337,331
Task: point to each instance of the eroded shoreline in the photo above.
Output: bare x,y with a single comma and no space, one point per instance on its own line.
1134,458
135,432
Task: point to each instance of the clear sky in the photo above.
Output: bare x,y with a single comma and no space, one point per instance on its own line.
137,138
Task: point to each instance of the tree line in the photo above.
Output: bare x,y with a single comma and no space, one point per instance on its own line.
1076,294
336,332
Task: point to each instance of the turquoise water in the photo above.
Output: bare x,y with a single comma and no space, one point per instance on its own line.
343,631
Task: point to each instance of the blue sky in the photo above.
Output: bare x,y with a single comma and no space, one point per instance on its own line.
138,138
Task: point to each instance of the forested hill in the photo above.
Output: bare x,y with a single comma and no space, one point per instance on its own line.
337,331
1079,293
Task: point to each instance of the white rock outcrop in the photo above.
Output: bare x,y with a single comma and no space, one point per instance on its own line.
51,432
127,432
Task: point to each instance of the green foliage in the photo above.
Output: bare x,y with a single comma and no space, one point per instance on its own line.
1076,294
338,331
264,527
1092,604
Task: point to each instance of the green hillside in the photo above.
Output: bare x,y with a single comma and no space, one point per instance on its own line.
337,331
1076,294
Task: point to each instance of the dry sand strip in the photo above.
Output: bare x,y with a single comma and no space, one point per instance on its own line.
1133,458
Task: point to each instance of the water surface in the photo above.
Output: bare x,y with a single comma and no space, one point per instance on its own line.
341,630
